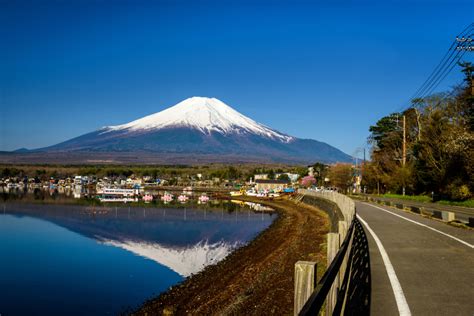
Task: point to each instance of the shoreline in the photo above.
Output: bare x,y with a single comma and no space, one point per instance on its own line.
256,278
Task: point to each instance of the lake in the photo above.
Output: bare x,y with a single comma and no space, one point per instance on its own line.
105,260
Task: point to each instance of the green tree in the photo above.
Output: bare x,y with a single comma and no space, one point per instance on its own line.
271,174
284,177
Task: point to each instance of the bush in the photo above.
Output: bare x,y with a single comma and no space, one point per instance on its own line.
459,192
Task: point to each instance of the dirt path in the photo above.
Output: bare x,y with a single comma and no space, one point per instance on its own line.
256,279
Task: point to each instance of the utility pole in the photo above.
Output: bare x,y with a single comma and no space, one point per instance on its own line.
404,157
362,171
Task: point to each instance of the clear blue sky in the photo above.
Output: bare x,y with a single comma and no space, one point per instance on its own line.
322,70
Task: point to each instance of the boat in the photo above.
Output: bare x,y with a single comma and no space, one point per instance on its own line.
148,198
118,195
236,193
183,198
251,192
203,198
167,197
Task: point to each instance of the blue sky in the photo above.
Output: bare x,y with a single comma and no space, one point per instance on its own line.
321,70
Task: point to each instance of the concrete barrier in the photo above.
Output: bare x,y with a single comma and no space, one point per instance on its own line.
448,216
345,206
415,209
423,211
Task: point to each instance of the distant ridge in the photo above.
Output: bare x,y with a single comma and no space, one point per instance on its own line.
21,150
196,130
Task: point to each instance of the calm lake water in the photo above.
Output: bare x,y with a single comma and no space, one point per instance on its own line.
85,260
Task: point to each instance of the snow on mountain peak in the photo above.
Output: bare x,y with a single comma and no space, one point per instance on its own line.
183,260
204,114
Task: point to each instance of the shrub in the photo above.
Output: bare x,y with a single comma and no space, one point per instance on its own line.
459,192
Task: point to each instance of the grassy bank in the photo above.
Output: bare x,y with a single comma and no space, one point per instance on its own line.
427,199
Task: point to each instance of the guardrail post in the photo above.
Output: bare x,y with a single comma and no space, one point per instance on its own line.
305,281
333,248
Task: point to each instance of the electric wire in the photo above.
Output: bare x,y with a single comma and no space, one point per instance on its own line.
443,61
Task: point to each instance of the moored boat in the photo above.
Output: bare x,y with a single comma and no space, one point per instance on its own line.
203,198
167,197
118,195
147,198
183,198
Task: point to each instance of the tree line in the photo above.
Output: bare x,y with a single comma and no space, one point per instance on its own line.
439,142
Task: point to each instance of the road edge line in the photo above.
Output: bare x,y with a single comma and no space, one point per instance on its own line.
402,304
423,225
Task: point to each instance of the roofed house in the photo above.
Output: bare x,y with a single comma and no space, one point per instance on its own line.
270,185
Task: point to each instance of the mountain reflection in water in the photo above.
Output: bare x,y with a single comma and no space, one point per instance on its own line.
183,260
104,260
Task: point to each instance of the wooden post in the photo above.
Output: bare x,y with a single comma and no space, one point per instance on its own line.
305,281
404,157
333,247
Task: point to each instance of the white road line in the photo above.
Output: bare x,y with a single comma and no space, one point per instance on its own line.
423,225
402,305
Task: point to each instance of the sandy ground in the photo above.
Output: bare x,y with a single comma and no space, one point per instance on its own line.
257,279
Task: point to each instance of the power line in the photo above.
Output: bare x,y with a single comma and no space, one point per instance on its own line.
452,65
441,75
452,56
443,68
442,61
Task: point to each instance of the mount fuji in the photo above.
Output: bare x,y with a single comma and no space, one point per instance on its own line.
197,129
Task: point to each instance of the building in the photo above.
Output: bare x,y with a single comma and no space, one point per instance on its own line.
270,185
261,176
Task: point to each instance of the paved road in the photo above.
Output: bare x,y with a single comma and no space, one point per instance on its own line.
462,213
432,266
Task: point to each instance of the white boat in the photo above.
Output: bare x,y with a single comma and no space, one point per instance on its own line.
118,195
251,193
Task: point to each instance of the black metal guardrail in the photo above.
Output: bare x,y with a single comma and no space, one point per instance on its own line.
316,300
345,286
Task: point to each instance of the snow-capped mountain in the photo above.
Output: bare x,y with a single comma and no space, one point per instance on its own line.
197,129
206,115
